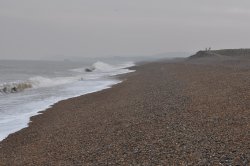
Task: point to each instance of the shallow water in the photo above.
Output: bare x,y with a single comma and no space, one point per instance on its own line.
48,83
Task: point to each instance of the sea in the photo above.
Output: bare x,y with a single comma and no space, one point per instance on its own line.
28,87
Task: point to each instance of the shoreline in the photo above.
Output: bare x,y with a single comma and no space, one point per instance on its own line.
117,78
164,113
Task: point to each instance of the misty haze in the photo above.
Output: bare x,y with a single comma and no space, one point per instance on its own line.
124,82
62,29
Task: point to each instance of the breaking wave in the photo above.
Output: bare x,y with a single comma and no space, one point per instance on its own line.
39,91
34,82
39,81
14,87
103,67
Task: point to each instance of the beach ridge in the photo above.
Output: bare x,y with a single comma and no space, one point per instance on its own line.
164,113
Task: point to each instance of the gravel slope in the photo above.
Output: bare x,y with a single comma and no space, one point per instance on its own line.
163,114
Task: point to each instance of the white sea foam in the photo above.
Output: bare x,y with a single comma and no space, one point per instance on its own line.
100,69
17,108
104,67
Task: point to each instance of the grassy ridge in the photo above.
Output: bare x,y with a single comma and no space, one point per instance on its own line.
224,52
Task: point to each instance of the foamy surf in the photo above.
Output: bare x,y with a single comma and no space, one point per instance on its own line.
98,69
43,91
104,67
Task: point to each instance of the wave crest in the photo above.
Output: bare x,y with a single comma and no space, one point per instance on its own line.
14,87
103,67
99,68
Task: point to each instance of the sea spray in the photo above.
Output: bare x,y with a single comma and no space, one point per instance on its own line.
39,91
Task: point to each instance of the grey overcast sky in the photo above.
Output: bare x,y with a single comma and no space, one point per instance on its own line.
32,29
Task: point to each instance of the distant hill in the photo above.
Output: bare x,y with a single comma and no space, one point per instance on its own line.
243,53
233,52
